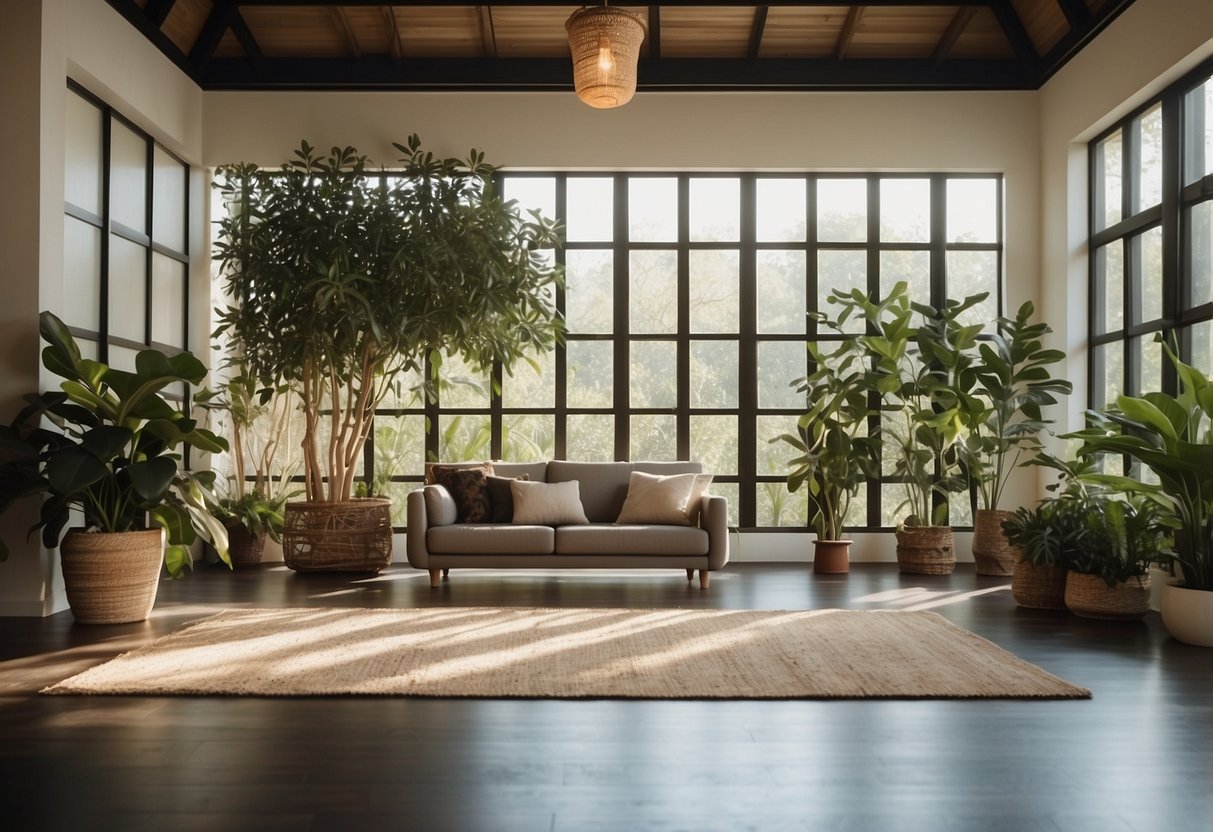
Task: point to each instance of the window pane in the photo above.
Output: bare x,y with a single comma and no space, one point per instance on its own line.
960,510
121,358
1110,285
1149,136
399,446
1201,242
714,295
905,210
127,289
529,387
405,391
714,374
771,457
1201,340
779,364
731,492
654,380
588,295
590,437
715,210
589,367
652,210
590,209
780,209
972,210
461,385
128,177
841,272
1149,357
168,201
463,437
714,444
653,294
842,210
1198,138
912,267
82,273
1107,188
82,162
1108,380
532,193
972,272
776,506
528,437
168,301
654,437
782,302
1149,251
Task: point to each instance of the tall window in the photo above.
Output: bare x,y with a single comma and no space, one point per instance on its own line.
686,300
1152,240
125,236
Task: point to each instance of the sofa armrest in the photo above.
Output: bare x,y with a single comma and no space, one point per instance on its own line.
714,519
414,534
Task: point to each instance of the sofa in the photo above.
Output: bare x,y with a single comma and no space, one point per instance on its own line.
524,537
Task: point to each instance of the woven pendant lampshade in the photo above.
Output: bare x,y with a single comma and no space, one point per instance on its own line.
605,43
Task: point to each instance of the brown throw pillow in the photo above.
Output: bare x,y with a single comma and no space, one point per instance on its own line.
502,498
469,488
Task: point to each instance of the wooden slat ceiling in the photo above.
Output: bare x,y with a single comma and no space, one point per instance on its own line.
805,45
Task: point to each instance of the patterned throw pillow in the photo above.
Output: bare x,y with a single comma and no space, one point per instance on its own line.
469,488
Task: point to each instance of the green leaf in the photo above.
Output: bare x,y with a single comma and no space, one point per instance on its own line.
151,478
72,470
106,441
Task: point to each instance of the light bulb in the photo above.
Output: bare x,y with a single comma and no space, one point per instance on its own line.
606,61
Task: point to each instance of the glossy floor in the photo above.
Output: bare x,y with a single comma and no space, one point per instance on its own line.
1138,756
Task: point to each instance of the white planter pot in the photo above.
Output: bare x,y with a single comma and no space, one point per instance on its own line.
1188,614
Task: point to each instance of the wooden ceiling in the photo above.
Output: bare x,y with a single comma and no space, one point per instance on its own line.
880,44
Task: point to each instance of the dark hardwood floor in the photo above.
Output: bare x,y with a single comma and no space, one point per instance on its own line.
1137,756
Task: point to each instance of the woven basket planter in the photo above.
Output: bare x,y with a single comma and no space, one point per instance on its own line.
1039,587
1091,597
992,554
112,577
244,547
926,550
352,536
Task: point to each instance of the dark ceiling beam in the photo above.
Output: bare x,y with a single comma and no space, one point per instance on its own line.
249,43
347,31
504,74
654,31
395,47
848,32
1076,12
157,11
488,37
135,16
217,23
760,24
1012,27
1078,37
952,34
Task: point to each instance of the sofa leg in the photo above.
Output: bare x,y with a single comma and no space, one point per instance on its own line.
690,574
435,577
704,577
446,573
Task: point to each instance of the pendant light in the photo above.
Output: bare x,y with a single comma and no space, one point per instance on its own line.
605,43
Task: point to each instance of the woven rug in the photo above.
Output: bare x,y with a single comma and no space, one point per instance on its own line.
573,653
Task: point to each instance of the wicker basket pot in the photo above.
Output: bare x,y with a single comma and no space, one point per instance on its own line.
1091,597
350,536
1039,587
831,557
111,577
992,554
926,550
244,547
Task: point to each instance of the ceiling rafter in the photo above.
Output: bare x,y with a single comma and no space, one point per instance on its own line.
488,36
217,23
848,32
158,11
760,24
960,22
1014,29
249,43
655,31
1079,36
347,31
1076,12
395,45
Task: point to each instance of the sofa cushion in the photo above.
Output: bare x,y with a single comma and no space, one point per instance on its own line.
604,485
469,487
551,504
533,471
656,499
440,509
604,539
490,539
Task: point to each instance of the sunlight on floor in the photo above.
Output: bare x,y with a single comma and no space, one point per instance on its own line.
921,598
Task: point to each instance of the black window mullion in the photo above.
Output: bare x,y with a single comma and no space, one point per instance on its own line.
560,433
622,272
1172,183
103,318
148,207
747,394
683,348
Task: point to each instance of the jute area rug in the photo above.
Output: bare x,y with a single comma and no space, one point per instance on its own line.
572,653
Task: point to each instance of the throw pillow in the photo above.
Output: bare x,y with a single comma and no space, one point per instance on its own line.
665,500
469,488
502,498
440,508
695,501
548,503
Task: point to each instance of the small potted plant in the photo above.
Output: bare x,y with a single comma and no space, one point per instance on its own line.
113,455
1108,573
836,454
1045,538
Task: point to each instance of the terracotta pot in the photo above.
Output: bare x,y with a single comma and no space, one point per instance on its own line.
1091,597
244,547
926,550
831,557
350,536
1188,614
112,577
992,553
1039,587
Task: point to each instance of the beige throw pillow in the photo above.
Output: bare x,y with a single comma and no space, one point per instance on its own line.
547,503
672,500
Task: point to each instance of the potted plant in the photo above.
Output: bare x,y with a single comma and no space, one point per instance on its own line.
1044,539
339,280
113,456
916,369
1172,436
836,453
1108,575
1002,410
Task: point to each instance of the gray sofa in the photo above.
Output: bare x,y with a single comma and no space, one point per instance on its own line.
436,543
